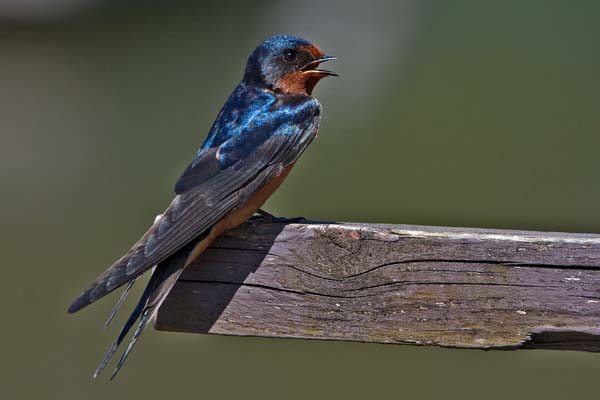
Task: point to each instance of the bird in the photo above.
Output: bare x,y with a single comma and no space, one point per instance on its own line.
265,125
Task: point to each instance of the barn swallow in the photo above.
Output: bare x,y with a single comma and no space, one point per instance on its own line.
261,131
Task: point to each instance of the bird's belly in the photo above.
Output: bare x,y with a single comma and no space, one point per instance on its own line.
239,215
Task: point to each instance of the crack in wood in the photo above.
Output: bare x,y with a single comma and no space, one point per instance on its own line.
352,282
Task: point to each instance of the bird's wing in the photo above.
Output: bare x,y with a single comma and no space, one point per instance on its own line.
210,189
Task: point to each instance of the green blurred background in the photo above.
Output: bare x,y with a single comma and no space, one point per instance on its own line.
460,113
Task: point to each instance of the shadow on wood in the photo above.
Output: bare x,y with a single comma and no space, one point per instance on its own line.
224,267
453,287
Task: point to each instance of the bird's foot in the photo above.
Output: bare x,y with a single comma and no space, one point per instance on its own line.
269,218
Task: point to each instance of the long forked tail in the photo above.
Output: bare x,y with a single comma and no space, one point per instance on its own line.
117,306
161,282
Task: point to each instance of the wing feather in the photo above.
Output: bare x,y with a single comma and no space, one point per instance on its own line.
207,194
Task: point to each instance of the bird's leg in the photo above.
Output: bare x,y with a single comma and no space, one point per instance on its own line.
270,218
262,216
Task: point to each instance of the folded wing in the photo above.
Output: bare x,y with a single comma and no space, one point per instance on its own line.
221,179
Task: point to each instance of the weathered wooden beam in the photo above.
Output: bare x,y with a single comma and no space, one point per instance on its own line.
455,287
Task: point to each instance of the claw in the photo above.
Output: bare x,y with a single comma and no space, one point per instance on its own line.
266,217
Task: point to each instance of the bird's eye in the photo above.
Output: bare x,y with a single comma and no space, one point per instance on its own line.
290,55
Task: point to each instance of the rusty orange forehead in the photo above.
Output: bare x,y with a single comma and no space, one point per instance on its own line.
313,50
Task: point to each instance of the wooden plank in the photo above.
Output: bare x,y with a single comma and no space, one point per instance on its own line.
454,287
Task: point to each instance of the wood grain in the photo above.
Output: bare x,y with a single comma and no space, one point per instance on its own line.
453,287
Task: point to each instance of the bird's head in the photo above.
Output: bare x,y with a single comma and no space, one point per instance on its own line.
286,64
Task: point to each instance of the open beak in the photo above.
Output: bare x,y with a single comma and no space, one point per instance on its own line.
312,66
